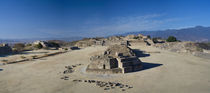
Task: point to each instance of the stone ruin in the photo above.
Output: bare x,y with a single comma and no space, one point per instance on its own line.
89,42
116,59
113,40
5,49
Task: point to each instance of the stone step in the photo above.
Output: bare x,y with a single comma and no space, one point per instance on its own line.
128,59
131,64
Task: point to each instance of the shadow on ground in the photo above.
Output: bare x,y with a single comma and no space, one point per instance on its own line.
140,53
25,52
1,69
147,65
5,55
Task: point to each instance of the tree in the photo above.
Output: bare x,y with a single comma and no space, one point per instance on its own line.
53,44
39,46
155,40
171,39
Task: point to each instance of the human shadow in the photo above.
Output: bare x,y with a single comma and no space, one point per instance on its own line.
140,53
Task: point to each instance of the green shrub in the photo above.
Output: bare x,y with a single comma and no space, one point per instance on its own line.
38,46
34,56
65,48
136,37
23,57
28,45
53,44
155,40
171,39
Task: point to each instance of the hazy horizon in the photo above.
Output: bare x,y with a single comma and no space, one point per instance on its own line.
91,18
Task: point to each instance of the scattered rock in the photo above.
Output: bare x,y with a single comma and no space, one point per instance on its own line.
70,69
65,78
75,80
105,85
130,87
106,88
118,84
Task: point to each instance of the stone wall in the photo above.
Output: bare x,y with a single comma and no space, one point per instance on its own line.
130,64
103,62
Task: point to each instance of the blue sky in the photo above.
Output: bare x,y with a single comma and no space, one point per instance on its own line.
67,18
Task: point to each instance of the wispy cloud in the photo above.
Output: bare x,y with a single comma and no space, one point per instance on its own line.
126,24
101,27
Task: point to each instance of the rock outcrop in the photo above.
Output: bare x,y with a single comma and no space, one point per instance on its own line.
116,59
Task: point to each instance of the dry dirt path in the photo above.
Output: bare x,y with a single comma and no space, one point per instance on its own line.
165,72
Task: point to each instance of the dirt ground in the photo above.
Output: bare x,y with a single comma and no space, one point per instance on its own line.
164,72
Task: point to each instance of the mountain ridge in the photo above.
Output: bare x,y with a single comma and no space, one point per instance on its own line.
197,33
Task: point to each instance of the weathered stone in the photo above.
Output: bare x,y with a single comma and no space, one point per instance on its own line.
65,78
130,87
106,88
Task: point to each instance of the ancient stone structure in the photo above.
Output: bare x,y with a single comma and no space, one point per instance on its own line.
116,59
101,42
5,49
114,40
131,37
89,42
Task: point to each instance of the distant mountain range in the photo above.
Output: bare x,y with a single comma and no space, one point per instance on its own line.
198,33
12,41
